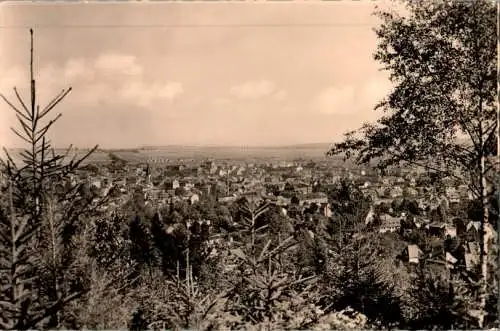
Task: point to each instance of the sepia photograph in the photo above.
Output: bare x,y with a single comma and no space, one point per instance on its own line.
249,165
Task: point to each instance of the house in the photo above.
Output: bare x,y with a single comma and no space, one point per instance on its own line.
303,188
396,192
471,256
451,261
383,192
419,222
411,192
206,189
371,216
213,169
422,203
281,186
436,229
96,183
240,171
326,210
320,200
414,254
228,199
194,198
389,223
175,184
282,201
408,224
460,226
450,230
472,231
411,254
453,195
470,262
201,227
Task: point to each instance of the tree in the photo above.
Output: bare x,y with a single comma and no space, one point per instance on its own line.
441,114
266,289
141,249
349,206
108,242
355,277
439,300
117,163
39,222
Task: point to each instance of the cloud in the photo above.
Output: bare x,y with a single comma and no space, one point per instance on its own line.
257,89
281,95
109,78
221,102
118,63
145,94
110,81
76,68
334,100
349,99
254,89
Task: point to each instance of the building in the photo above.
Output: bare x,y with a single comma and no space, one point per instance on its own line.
414,254
389,223
175,184
194,198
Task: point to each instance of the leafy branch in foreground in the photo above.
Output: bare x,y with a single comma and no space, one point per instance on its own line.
441,113
39,222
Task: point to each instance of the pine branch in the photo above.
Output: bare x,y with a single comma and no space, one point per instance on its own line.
22,104
54,102
20,136
11,105
41,132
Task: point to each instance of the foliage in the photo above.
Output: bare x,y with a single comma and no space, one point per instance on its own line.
441,301
349,206
444,70
39,222
117,163
441,113
355,277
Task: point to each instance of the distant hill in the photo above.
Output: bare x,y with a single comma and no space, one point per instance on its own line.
291,152
315,152
227,152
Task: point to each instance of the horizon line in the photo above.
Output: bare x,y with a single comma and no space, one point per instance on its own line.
185,145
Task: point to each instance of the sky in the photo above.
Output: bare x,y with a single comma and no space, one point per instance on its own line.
184,73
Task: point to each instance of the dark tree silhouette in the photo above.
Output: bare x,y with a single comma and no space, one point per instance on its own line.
40,220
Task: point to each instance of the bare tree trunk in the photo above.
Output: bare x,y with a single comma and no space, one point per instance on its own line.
483,257
15,288
253,233
497,168
54,320
188,265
